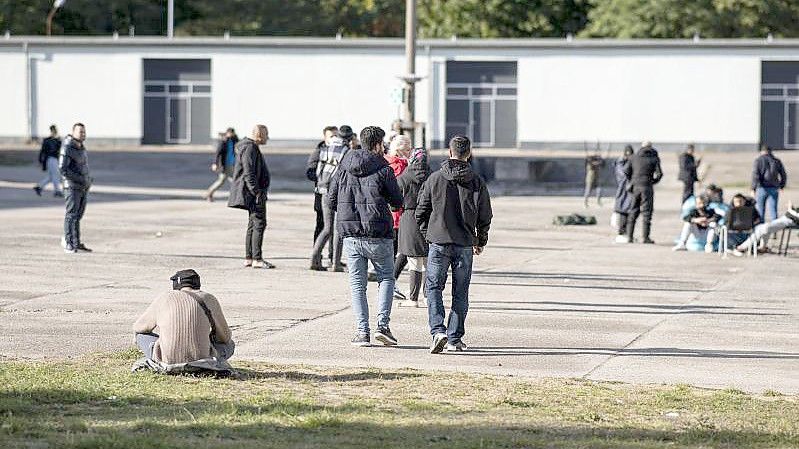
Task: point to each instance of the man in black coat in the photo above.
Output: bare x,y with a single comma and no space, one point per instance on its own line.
643,172
688,174
73,164
48,158
250,186
454,215
361,193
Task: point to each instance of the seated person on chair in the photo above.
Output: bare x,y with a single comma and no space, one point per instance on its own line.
791,218
700,225
741,220
189,322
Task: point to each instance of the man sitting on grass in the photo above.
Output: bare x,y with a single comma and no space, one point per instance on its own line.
191,326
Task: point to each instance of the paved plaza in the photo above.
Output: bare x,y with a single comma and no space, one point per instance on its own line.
546,301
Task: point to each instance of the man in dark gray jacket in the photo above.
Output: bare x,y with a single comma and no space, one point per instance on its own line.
454,215
250,185
688,175
768,179
73,164
643,172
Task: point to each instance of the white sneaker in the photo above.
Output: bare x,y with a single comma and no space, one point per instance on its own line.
708,249
457,347
679,247
621,239
439,341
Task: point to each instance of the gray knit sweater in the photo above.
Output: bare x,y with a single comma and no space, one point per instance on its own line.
182,326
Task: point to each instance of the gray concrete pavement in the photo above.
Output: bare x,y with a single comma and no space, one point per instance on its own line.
545,301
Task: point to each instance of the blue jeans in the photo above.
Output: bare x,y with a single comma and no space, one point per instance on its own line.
439,260
146,342
360,251
767,196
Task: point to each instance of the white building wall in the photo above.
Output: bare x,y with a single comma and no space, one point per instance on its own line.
615,98
98,87
13,113
297,93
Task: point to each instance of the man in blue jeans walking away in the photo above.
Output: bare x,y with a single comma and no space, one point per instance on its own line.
361,193
768,179
454,215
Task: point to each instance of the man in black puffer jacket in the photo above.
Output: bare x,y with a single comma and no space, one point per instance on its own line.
454,215
361,193
73,164
644,172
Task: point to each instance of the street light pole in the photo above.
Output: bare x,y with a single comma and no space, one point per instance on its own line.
408,110
170,19
56,4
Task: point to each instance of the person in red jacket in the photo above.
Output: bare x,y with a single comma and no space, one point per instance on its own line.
399,148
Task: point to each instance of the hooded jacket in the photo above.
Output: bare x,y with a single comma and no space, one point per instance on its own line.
411,241
362,192
624,201
454,206
221,152
644,168
687,168
73,164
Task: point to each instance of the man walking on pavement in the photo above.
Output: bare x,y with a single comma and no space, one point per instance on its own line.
454,215
250,186
362,193
48,158
688,174
74,167
644,172
224,163
768,179
310,172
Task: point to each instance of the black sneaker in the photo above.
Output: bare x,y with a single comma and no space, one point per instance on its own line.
361,339
439,341
649,241
383,335
398,295
82,248
38,190
58,194
317,268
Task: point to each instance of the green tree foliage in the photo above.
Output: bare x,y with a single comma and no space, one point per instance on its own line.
437,18
501,18
684,18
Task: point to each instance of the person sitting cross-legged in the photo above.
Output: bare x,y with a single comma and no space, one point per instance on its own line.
701,223
190,325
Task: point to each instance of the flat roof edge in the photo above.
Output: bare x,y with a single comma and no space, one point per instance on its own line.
305,42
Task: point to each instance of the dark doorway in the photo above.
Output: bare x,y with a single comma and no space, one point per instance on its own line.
779,104
177,101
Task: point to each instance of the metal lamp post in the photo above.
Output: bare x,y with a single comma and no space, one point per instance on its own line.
56,5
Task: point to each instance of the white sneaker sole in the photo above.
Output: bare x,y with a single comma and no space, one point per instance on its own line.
437,348
362,345
385,340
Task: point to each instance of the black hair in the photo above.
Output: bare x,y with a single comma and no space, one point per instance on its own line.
330,128
628,150
53,128
765,148
460,146
231,131
371,136
78,124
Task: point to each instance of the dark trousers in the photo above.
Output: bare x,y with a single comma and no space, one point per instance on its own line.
687,190
255,232
440,259
622,223
325,237
320,223
76,206
643,198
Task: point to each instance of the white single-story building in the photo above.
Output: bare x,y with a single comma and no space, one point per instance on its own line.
521,93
